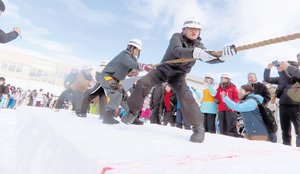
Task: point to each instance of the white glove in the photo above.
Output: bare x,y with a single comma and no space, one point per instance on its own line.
92,83
228,52
203,55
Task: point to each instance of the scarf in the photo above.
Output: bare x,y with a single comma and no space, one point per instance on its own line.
167,100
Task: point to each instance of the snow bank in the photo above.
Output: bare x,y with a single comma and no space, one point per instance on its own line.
39,140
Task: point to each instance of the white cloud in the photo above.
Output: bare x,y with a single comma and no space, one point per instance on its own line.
80,11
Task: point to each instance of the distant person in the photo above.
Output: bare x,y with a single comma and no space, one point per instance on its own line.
259,88
169,106
39,98
155,100
208,106
254,126
227,116
68,92
6,37
96,90
3,92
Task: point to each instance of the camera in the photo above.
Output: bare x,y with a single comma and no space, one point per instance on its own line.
276,63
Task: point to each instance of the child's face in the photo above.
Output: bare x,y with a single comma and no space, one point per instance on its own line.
1,82
192,33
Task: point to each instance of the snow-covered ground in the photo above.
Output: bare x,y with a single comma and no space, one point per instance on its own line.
41,141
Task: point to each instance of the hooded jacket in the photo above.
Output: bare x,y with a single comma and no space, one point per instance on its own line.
181,47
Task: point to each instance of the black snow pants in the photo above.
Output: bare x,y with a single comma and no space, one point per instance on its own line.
188,105
209,122
155,115
227,123
289,114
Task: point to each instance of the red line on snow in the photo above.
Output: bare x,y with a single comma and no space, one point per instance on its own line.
105,169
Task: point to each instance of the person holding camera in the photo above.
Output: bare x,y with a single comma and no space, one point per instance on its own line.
7,37
208,106
289,111
259,88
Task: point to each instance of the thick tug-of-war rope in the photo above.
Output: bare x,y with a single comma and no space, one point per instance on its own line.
240,48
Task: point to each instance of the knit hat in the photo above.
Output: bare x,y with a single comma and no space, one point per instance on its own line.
2,6
247,88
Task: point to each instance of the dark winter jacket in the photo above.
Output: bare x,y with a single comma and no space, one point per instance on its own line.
157,97
231,92
181,47
251,116
295,72
173,103
284,82
70,79
120,66
3,90
6,37
262,89
130,90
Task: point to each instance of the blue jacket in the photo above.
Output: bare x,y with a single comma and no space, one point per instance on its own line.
251,116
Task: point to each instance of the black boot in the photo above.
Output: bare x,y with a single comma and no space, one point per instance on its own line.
129,118
137,121
198,134
109,118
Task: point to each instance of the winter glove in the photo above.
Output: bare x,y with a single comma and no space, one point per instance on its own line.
203,55
145,67
193,88
228,52
134,73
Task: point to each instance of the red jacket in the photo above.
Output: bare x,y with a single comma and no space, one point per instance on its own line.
232,93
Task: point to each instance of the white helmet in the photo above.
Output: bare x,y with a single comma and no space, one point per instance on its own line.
226,75
87,66
192,22
209,75
104,63
136,42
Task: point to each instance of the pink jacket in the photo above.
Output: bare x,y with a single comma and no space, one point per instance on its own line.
145,113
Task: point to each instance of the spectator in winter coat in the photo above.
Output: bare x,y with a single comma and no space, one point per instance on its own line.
208,106
68,92
146,112
259,88
288,109
227,117
12,97
180,120
156,99
6,37
32,97
3,91
293,70
254,125
169,106
182,45
117,70
39,98
83,81
97,90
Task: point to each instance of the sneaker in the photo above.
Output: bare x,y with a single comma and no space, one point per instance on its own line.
81,115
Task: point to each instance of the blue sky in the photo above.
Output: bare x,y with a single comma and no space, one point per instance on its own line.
77,31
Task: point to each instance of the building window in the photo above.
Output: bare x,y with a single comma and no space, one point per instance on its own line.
26,69
19,68
12,66
4,65
32,72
